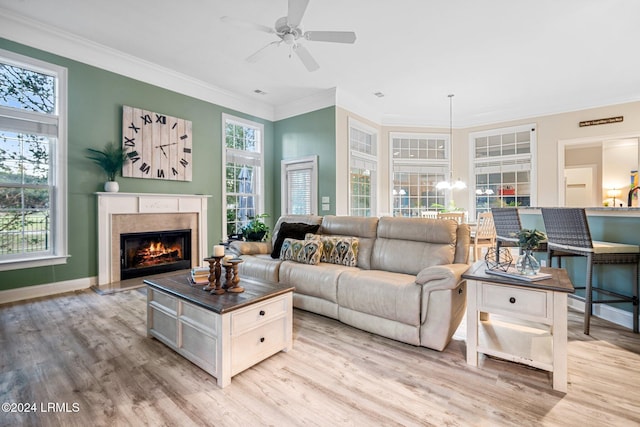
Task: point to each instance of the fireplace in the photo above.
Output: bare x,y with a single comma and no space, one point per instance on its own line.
121,213
145,253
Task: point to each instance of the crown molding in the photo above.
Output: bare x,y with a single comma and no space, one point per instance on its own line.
41,36
321,99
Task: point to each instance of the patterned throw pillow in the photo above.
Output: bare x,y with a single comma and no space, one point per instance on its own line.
342,250
304,251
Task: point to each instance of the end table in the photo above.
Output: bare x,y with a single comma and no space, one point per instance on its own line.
531,328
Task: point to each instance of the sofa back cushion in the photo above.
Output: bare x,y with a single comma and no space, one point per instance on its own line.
407,245
362,228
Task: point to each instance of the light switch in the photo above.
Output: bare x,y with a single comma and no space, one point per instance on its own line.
326,206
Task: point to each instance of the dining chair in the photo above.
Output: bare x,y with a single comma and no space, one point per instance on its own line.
456,216
484,235
568,234
429,214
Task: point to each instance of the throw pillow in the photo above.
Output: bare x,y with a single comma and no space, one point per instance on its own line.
304,251
291,230
342,250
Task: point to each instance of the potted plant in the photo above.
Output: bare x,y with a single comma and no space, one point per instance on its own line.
256,229
528,240
110,159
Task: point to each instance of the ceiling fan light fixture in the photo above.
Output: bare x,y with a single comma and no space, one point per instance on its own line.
289,39
288,31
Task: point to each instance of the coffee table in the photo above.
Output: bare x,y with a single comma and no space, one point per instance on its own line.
222,334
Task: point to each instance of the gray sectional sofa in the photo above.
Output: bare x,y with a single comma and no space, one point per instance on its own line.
406,284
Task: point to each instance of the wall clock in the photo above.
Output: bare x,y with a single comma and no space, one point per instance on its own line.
158,146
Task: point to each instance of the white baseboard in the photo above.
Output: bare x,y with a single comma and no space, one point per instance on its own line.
606,312
28,292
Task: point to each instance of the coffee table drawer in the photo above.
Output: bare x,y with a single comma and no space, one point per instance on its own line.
257,344
258,314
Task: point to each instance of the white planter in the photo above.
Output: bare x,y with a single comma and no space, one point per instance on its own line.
111,187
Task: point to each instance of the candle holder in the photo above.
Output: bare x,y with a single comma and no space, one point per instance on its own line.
214,275
232,277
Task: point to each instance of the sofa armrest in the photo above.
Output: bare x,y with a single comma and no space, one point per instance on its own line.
250,248
440,277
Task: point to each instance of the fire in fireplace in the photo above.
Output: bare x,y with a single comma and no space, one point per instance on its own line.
142,254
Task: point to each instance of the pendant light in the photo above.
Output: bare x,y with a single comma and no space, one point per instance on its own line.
451,184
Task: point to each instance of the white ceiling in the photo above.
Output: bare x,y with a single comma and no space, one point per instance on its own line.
503,59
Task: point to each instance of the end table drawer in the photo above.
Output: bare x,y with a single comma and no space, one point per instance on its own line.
257,315
508,299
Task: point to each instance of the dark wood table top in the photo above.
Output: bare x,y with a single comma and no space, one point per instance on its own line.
254,291
559,281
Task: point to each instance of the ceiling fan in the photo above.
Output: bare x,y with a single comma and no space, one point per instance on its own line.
289,32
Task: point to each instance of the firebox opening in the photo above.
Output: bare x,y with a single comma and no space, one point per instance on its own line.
142,254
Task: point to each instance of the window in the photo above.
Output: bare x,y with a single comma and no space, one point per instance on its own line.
32,162
300,186
419,162
503,163
243,183
363,169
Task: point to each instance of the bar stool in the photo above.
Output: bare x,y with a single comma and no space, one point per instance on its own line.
568,235
507,224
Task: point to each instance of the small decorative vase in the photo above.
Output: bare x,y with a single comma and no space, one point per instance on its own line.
111,187
527,264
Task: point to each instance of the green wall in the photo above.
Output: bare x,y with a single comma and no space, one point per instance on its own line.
95,105
306,135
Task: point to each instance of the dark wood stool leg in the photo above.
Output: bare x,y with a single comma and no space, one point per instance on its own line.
636,290
588,296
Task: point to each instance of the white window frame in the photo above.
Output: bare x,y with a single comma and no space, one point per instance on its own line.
435,166
371,159
521,158
228,118
24,121
309,162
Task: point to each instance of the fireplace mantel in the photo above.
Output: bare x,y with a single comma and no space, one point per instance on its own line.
111,205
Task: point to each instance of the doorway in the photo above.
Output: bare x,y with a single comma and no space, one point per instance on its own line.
579,186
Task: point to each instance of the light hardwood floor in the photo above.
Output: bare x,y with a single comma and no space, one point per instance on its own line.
91,352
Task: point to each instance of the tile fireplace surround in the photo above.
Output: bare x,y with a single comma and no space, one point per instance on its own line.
129,213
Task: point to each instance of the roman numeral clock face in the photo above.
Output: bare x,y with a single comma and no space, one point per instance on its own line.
158,146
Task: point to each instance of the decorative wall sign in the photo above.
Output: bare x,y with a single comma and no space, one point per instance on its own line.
158,146
606,121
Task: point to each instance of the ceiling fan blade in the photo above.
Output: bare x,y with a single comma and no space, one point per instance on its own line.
260,53
296,11
306,58
331,36
247,24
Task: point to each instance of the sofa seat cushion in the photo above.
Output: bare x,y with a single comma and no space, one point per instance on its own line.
319,281
393,296
260,267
